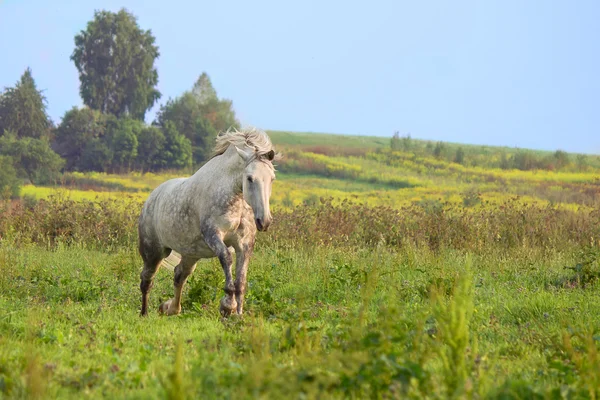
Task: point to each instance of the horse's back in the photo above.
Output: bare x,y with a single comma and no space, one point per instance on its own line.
165,190
170,220
161,198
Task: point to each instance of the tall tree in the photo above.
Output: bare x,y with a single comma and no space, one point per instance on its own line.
115,59
177,152
78,128
561,159
459,156
96,156
151,141
23,109
203,89
199,115
439,150
219,112
187,118
395,141
122,141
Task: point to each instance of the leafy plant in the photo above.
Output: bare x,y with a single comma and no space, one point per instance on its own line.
587,271
458,349
205,286
471,197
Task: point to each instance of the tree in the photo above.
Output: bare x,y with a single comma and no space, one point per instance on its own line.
96,156
199,115
151,142
407,143
524,160
23,109
32,158
177,152
459,157
203,89
439,150
186,115
395,141
121,139
504,162
561,159
10,184
429,147
115,59
582,162
218,111
76,130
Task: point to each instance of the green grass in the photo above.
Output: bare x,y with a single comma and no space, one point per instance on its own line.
457,290
326,323
285,138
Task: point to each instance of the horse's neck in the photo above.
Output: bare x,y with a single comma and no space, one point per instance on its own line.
221,174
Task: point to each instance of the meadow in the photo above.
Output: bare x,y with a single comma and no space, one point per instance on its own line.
384,275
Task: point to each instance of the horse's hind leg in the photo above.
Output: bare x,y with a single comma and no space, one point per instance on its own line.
152,259
182,271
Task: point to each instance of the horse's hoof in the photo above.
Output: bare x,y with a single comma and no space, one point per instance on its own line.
165,308
228,306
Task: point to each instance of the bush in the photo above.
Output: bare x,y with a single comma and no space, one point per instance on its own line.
32,159
471,197
103,224
10,185
113,223
511,224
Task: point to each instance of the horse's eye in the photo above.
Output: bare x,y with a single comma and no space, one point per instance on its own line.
250,179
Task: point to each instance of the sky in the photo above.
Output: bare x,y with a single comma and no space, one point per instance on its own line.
518,73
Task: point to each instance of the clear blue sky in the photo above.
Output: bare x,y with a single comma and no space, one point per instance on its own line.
518,73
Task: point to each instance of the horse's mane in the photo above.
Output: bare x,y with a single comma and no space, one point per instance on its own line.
253,138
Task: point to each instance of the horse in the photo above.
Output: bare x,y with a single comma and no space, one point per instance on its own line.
215,211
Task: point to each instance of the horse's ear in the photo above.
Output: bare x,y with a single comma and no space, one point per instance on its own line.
271,155
243,154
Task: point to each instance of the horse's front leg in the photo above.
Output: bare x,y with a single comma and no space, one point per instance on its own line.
215,242
242,258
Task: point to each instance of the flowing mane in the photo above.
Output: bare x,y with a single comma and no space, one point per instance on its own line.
253,138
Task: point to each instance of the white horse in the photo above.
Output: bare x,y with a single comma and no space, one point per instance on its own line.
218,208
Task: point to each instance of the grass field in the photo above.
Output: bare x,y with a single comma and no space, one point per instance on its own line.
438,280
327,322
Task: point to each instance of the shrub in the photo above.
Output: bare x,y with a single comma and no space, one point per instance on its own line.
471,197
508,225
96,224
10,185
113,223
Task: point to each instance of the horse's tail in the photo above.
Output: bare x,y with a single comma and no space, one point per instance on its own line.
171,261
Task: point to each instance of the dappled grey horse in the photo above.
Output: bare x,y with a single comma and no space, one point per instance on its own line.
217,209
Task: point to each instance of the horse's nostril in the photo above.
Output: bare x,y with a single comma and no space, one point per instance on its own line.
259,224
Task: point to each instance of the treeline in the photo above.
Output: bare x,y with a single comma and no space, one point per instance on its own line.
115,59
181,136
489,157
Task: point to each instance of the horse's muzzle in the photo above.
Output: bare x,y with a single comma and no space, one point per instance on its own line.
262,225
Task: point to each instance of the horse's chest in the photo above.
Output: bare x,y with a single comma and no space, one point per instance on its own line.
227,223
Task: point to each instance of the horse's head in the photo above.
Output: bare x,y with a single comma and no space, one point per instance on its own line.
258,178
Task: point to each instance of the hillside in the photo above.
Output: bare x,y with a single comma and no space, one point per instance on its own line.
364,169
